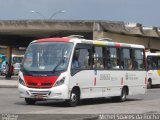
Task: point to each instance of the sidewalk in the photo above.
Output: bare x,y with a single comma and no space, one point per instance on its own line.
9,83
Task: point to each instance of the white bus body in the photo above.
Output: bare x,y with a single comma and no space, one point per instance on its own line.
97,76
153,72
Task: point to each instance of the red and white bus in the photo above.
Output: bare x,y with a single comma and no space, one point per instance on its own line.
103,69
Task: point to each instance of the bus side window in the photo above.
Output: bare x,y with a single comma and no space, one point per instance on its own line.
114,58
108,62
138,59
130,64
75,60
126,59
98,58
152,62
149,62
82,57
158,62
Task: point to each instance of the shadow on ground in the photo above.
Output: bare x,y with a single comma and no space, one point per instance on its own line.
85,102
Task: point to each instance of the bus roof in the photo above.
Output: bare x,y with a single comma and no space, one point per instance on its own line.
81,40
17,55
152,54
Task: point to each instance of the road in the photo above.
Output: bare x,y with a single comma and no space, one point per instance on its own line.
147,103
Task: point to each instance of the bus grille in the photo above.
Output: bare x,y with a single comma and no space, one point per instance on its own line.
42,93
39,85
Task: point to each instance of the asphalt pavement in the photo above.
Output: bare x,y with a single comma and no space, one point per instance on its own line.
9,82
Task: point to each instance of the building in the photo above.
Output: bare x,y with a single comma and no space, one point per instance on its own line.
16,34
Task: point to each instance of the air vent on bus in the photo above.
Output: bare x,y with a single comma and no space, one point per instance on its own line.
75,36
105,39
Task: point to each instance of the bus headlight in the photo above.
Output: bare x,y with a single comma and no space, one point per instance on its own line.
21,81
59,82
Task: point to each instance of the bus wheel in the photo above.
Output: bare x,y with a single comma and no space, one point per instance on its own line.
30,101
74,99
149,84
123,96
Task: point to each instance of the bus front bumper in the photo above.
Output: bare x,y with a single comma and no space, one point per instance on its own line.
54,93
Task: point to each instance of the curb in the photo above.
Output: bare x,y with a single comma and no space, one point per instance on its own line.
12,78
8,84
91,118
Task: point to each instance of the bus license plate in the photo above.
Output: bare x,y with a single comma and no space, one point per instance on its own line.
38,96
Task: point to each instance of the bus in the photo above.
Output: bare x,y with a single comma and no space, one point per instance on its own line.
104,69
3,61
16,62
17,58
153,69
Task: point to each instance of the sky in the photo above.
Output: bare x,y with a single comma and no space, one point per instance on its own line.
145,12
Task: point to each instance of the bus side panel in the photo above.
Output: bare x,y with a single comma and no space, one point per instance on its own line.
85,79
154,75
110,81
135,80
113,81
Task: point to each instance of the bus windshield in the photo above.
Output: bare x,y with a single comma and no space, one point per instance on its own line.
47,56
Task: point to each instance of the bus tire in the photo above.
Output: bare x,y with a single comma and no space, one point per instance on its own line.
123,96
74,98
30,101
149,84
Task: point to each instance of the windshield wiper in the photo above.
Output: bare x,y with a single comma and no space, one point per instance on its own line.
62,60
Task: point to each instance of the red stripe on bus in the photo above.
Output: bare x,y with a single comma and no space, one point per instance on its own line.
122,81
145,81
95,81
117,44
53,40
